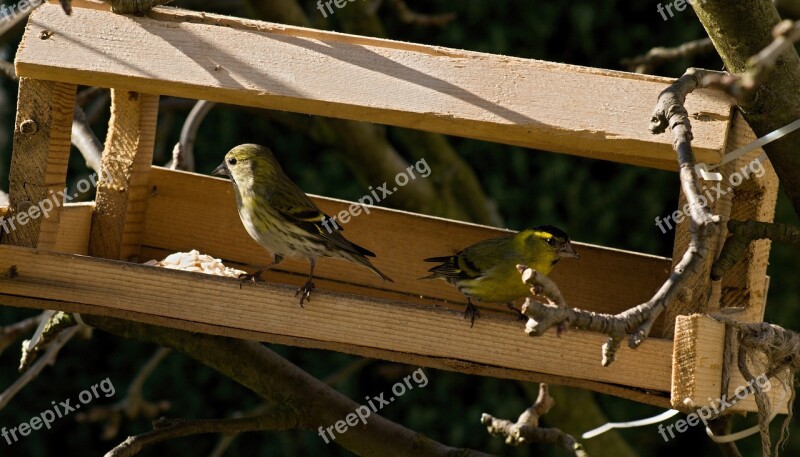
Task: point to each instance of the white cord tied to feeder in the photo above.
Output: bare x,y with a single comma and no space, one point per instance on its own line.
630,424
705,171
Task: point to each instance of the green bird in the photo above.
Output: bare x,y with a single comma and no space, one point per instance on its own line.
280,216
487,270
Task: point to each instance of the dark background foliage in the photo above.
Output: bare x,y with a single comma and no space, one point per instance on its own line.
596,202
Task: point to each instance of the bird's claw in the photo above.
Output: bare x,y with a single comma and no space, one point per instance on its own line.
255,277
471,313
519,314
305,290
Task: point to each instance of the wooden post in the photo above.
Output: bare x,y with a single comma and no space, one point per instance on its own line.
744,285
118,222
697,368
42,133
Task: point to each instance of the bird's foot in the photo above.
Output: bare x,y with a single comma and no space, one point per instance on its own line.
520,316
255,277
305,292
471,313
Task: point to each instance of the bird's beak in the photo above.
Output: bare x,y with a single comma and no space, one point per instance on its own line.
567,251
221,170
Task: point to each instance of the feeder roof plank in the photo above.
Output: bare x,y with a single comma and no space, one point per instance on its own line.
542,105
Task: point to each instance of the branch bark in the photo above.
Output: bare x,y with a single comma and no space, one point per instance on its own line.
526,429
287,386
739,31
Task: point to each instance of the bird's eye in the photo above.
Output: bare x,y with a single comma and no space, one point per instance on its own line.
551,241
231,161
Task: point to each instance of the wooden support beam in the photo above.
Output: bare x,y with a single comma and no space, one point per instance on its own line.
744,286
543,105
371,327
74,229
38,172
697,369
750,189
346,320
122,194
178,219
655,398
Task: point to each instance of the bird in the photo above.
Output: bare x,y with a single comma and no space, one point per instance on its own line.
280,217
487,270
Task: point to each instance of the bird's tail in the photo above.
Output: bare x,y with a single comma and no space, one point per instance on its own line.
366,263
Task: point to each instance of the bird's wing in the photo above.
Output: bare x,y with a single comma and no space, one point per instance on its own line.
297,208
474,261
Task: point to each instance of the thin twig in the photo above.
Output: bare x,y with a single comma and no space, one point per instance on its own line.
11,333
637,322
31,373
409,16
134,6
743,87
167,429
8,24
659,56
8,70
183,153
526,429
134,405
86,141
334,378
53,323
742,234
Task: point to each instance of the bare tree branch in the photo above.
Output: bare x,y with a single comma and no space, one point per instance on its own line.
743,86
409,16
526,429
31,373
659,56
742,233
133,405
15,19
11,333
287,384
86,141
134,6
8,70
183,153
637,322
168,429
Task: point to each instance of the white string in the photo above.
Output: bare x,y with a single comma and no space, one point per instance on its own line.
704,169
631,424
749,431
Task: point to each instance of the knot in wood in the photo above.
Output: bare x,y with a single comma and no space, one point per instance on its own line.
23,206
28,127
685,295
12,272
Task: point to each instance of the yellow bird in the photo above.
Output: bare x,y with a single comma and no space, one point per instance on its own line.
487,270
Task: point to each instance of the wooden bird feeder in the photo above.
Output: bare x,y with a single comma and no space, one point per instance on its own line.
86,257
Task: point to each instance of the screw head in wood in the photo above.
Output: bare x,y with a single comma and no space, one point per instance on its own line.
28,127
